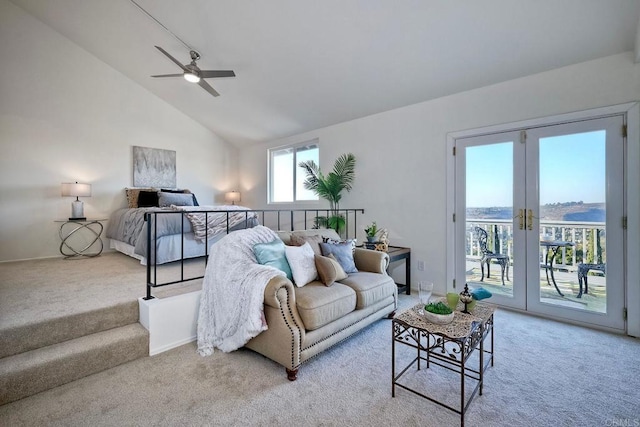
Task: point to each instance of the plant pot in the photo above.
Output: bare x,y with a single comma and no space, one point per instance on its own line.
371,239
439,319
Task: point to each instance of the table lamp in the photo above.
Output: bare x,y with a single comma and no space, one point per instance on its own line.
74,189
232,196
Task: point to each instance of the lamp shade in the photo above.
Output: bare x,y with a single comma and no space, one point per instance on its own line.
75,189
232,196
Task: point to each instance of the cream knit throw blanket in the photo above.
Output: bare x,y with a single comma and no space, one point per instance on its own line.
233,291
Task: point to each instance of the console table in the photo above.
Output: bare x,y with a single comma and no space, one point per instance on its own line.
449,346
89,229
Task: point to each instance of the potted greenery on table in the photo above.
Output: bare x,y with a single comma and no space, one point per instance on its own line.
438,313
330,187
372,232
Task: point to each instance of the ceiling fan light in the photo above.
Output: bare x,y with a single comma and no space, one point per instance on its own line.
191,77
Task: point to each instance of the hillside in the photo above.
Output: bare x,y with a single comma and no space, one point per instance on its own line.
569,211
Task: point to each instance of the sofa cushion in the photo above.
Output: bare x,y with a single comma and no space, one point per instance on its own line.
285,235
343,253
272,254
329,269
319,305
369,287
314,242
302,263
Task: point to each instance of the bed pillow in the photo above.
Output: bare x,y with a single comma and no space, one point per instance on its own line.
147,199
133,193
329,270
273,254
178,199
343,253
302,262
183,191
314,242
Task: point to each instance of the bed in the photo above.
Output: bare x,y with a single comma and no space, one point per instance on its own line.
180,231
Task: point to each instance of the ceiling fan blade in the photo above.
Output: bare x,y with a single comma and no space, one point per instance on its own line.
209,74
170,75
171,58
208,88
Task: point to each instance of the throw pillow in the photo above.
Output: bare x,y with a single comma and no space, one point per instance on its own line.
480,293
302,262
314,242
177,199
329,270
354,242
147,199
343,253
273,254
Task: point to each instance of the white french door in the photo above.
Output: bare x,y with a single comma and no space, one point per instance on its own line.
547,204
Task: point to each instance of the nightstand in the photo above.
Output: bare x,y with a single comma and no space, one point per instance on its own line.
81,237
398,253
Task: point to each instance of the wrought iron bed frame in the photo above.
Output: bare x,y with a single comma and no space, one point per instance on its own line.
350,216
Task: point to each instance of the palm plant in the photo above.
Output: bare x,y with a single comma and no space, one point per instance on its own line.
330,187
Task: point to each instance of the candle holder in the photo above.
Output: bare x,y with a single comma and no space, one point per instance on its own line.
465,298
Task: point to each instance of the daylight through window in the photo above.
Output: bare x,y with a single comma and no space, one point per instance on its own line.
286,178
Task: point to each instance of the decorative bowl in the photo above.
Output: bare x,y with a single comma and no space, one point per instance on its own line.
438,319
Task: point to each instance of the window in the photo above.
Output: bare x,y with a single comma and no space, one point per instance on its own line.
286,178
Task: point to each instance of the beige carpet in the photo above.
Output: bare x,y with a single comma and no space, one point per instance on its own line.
546,374
55,287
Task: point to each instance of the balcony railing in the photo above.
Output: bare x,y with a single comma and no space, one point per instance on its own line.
588,239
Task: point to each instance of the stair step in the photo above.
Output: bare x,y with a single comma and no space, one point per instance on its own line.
28,373
21,338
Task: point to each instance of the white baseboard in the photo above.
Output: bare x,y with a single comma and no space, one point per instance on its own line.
171,322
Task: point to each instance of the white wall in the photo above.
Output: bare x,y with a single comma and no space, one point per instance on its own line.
67,116
401,154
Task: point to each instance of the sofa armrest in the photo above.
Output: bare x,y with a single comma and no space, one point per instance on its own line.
282,341
279,292
370,260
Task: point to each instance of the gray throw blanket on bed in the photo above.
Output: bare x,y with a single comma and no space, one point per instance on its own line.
211,224
231,305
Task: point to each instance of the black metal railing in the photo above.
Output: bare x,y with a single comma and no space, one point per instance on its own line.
276,219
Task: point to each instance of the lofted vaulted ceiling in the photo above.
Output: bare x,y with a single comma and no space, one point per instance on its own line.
306,64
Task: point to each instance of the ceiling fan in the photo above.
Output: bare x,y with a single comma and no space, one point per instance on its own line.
192,73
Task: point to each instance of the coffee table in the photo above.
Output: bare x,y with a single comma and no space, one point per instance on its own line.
449,346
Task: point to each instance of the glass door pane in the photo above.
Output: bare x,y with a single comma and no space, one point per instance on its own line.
572,218
577,239
485,201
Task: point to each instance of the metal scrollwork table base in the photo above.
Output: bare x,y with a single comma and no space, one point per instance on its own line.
449,346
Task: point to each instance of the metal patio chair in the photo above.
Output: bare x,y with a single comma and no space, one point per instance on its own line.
487,255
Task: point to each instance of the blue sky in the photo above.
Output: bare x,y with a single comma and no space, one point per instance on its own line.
572,168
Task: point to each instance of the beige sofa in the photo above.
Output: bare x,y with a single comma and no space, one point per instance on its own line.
303,322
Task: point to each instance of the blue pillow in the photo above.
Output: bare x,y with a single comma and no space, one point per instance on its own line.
343,253
480,293
273,254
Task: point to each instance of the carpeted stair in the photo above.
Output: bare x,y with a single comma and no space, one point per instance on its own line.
40,355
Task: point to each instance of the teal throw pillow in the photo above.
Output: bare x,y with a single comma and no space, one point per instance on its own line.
480,293
343,252
273,254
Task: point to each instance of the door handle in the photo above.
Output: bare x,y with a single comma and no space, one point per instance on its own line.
530,220
521,218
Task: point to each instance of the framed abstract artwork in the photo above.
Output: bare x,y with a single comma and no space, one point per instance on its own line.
154,167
